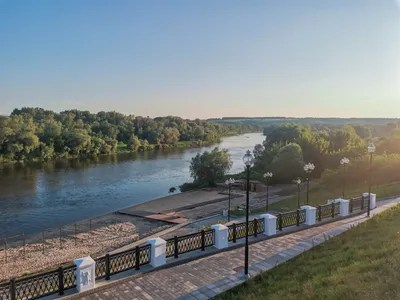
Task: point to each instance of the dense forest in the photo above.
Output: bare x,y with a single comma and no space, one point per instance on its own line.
39,134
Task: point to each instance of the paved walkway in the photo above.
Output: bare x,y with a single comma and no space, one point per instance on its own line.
205,278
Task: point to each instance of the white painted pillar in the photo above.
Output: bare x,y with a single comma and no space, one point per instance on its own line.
221,236
269,224
85,273
311,213
344,207
372,201
158,255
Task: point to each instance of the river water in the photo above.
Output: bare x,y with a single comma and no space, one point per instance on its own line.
37,196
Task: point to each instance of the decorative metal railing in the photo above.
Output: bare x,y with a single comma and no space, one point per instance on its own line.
238,230
190,242
40,285
290,218
130,259
357,203
326,211
337,209
170,247
61,279
5,291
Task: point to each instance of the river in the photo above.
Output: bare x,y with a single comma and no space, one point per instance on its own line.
37,196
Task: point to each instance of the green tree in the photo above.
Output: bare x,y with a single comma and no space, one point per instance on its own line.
134,143
210,166
288,164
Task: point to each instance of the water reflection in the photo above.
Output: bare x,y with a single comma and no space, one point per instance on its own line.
38,195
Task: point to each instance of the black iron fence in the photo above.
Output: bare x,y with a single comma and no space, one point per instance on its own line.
122,261
238,230
190,242
290,218
40,285
63,278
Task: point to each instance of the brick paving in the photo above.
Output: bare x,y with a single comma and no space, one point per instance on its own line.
206,277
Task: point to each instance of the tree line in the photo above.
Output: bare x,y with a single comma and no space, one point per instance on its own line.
39,134
288,147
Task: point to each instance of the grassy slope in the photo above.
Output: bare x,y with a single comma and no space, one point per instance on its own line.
363,263
320,196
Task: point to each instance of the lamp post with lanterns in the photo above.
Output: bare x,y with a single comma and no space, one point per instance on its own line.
229,183
371,150
266,176
248,162
308,168
344,162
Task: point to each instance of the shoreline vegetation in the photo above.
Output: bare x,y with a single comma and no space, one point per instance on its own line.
36,134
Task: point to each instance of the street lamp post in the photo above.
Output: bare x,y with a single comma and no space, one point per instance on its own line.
298,183
228,183
308,168
344,161
371,150
266,176
248,161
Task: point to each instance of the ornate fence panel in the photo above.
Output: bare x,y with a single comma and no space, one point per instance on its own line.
100,267
289,219
240,230
365,202
260,225
37,286
145,255
209,238
231,230
189,242
170,247
357,203
122,261
5,291
302,216
326,211
69,277
337,208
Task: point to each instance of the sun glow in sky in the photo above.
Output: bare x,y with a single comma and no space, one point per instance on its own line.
202,58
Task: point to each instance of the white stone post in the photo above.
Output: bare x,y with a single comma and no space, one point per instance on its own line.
372,201
311,213
221,236
158,252
269,224
85,273
344,207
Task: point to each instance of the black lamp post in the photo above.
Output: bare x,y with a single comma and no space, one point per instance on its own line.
266,176
248,161
308,168
371,150
229,184
298,183
344,161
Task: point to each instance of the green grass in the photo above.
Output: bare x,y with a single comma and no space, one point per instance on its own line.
320,195
362,263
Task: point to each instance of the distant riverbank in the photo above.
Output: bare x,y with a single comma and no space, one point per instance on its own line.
124,148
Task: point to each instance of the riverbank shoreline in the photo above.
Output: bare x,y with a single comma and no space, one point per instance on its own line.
123,150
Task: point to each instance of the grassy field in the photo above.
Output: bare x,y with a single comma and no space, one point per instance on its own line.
362,263
319,195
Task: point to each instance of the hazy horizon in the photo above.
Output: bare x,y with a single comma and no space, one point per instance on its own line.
203,59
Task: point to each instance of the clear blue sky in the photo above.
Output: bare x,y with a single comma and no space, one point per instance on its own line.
202,58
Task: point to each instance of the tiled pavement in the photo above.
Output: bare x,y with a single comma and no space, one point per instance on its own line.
206,277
